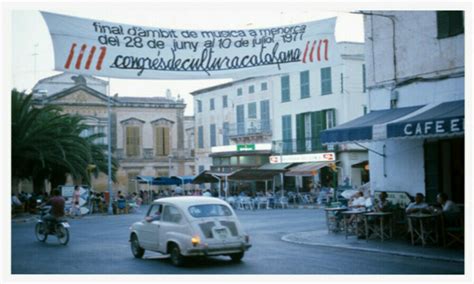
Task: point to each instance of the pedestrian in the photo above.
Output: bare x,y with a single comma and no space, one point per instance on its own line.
75,204
178,191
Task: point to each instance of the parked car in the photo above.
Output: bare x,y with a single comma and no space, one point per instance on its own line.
189,226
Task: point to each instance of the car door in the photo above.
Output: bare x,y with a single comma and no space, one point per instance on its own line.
151,228
171,224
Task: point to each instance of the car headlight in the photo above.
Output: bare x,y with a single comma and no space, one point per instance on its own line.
195,240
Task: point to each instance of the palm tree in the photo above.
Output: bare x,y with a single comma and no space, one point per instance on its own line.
99,158
46,144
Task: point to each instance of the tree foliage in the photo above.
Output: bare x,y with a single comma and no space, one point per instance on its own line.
46,144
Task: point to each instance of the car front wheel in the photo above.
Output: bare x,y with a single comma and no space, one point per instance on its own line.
237,257
137,251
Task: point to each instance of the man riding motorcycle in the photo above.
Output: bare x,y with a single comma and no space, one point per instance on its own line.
57,203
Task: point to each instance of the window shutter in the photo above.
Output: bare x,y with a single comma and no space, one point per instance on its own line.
136,140
159,141
128,141
326,87
285,88
442,18
456,23
166,141
450,23
318,124
300,133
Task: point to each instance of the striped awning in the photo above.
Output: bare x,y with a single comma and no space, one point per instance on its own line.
307,169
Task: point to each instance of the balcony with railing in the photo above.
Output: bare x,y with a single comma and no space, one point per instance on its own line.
148,155
250,128
298,146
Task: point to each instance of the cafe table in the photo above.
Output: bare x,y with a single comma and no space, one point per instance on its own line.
332,220
381,227
424,227
356,228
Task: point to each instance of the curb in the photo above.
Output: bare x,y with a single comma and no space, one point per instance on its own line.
303,207
287,238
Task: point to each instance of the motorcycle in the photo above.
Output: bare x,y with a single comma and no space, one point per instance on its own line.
59,228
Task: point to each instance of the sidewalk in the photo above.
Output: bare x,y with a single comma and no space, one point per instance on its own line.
393,247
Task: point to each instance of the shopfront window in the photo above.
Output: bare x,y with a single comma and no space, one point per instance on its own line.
248,160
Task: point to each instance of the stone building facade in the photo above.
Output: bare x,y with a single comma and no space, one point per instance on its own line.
148,133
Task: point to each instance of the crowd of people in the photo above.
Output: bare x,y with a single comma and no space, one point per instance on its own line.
360,203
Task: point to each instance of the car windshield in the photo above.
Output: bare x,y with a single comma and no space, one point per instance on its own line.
209,210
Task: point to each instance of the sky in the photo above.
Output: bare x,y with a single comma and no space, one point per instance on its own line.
30,35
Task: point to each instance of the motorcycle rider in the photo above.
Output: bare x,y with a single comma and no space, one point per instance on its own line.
57,204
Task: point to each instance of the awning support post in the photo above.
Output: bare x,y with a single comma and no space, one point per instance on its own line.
226,186
282,177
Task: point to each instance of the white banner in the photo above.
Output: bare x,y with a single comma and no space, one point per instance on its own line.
303,158
106,49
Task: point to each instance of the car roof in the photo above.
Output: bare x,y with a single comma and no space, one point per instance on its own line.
190,200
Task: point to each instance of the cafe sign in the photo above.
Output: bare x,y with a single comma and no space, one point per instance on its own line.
427,127
317,157
242,148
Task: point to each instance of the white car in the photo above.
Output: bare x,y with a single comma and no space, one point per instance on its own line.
189,226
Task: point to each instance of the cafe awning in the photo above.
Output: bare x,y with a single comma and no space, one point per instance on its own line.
205,177
145,179
156,180
183,179
362,129
164,181
307,169
254,174
444,119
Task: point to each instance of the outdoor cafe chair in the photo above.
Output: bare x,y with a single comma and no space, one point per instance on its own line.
259,201
453,229
282,202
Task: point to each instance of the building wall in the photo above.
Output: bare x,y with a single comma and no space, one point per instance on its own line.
416,41
144,113
220,115
349,102
404,166
147,115
422,58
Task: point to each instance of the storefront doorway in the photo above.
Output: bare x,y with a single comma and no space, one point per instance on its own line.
444,169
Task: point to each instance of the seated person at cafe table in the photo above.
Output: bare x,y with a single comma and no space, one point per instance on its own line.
447,205
451,212
382,204
358,203
418,206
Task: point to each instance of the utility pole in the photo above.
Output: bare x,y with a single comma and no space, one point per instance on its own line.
109,150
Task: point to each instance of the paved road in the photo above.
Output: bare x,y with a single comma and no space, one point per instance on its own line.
99,245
